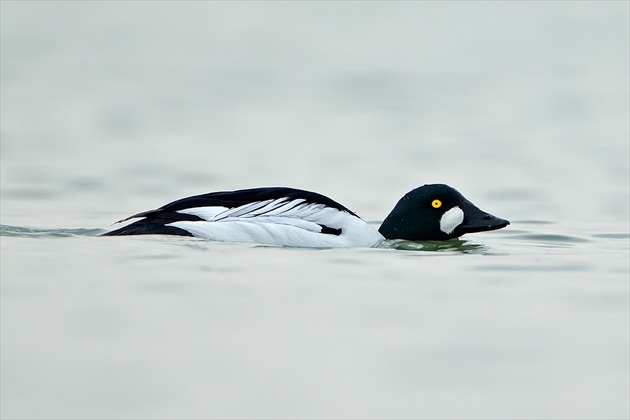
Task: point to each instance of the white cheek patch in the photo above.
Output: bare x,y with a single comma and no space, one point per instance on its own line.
451,219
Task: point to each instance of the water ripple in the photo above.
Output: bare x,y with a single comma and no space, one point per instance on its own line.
577,267
25,232
612,235
549,238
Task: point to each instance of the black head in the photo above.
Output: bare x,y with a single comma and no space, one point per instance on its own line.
436,212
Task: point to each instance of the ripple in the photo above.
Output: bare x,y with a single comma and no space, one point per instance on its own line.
549,238
536,267
534,222
25,232
612,235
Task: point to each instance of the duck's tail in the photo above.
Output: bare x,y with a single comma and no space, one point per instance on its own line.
152,225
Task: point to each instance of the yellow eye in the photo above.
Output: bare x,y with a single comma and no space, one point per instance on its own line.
436,204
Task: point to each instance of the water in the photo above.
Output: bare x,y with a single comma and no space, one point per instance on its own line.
109,109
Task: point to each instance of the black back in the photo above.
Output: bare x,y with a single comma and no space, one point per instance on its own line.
231,199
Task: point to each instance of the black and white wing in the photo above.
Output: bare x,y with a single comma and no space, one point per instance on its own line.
278,215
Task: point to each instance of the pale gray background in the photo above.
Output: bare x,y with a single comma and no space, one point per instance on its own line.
110,108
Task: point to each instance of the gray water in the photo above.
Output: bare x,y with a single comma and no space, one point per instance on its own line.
111,108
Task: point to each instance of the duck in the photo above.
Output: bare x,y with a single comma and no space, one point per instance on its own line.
291,217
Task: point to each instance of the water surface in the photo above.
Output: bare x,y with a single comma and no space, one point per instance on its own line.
109,109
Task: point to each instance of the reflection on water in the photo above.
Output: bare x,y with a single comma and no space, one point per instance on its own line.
452,245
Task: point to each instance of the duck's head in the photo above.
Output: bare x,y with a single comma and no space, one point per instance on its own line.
436,212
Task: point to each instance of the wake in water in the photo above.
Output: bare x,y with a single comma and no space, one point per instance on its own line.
17,231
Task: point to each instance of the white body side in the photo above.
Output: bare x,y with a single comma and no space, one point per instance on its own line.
281,222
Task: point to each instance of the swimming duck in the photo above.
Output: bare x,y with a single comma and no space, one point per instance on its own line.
291,217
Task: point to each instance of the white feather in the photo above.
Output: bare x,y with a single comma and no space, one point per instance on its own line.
207,213
251,209
280,222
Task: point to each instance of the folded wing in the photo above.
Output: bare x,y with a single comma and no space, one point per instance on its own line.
282,216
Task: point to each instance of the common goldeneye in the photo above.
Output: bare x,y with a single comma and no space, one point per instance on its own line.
298,218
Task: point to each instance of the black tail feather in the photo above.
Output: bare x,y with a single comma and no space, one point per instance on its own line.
148,227
156,223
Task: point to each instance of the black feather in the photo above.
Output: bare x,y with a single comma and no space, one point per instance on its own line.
231,199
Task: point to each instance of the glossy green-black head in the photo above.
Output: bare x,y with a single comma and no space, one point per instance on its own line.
436,212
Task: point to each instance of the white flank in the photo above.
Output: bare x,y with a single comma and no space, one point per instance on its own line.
451,219
280,222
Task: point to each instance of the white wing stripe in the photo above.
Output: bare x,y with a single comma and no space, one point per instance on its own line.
207,213
281,208
260,210
304,210
241,210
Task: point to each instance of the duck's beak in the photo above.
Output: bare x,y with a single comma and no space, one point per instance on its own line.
477,220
